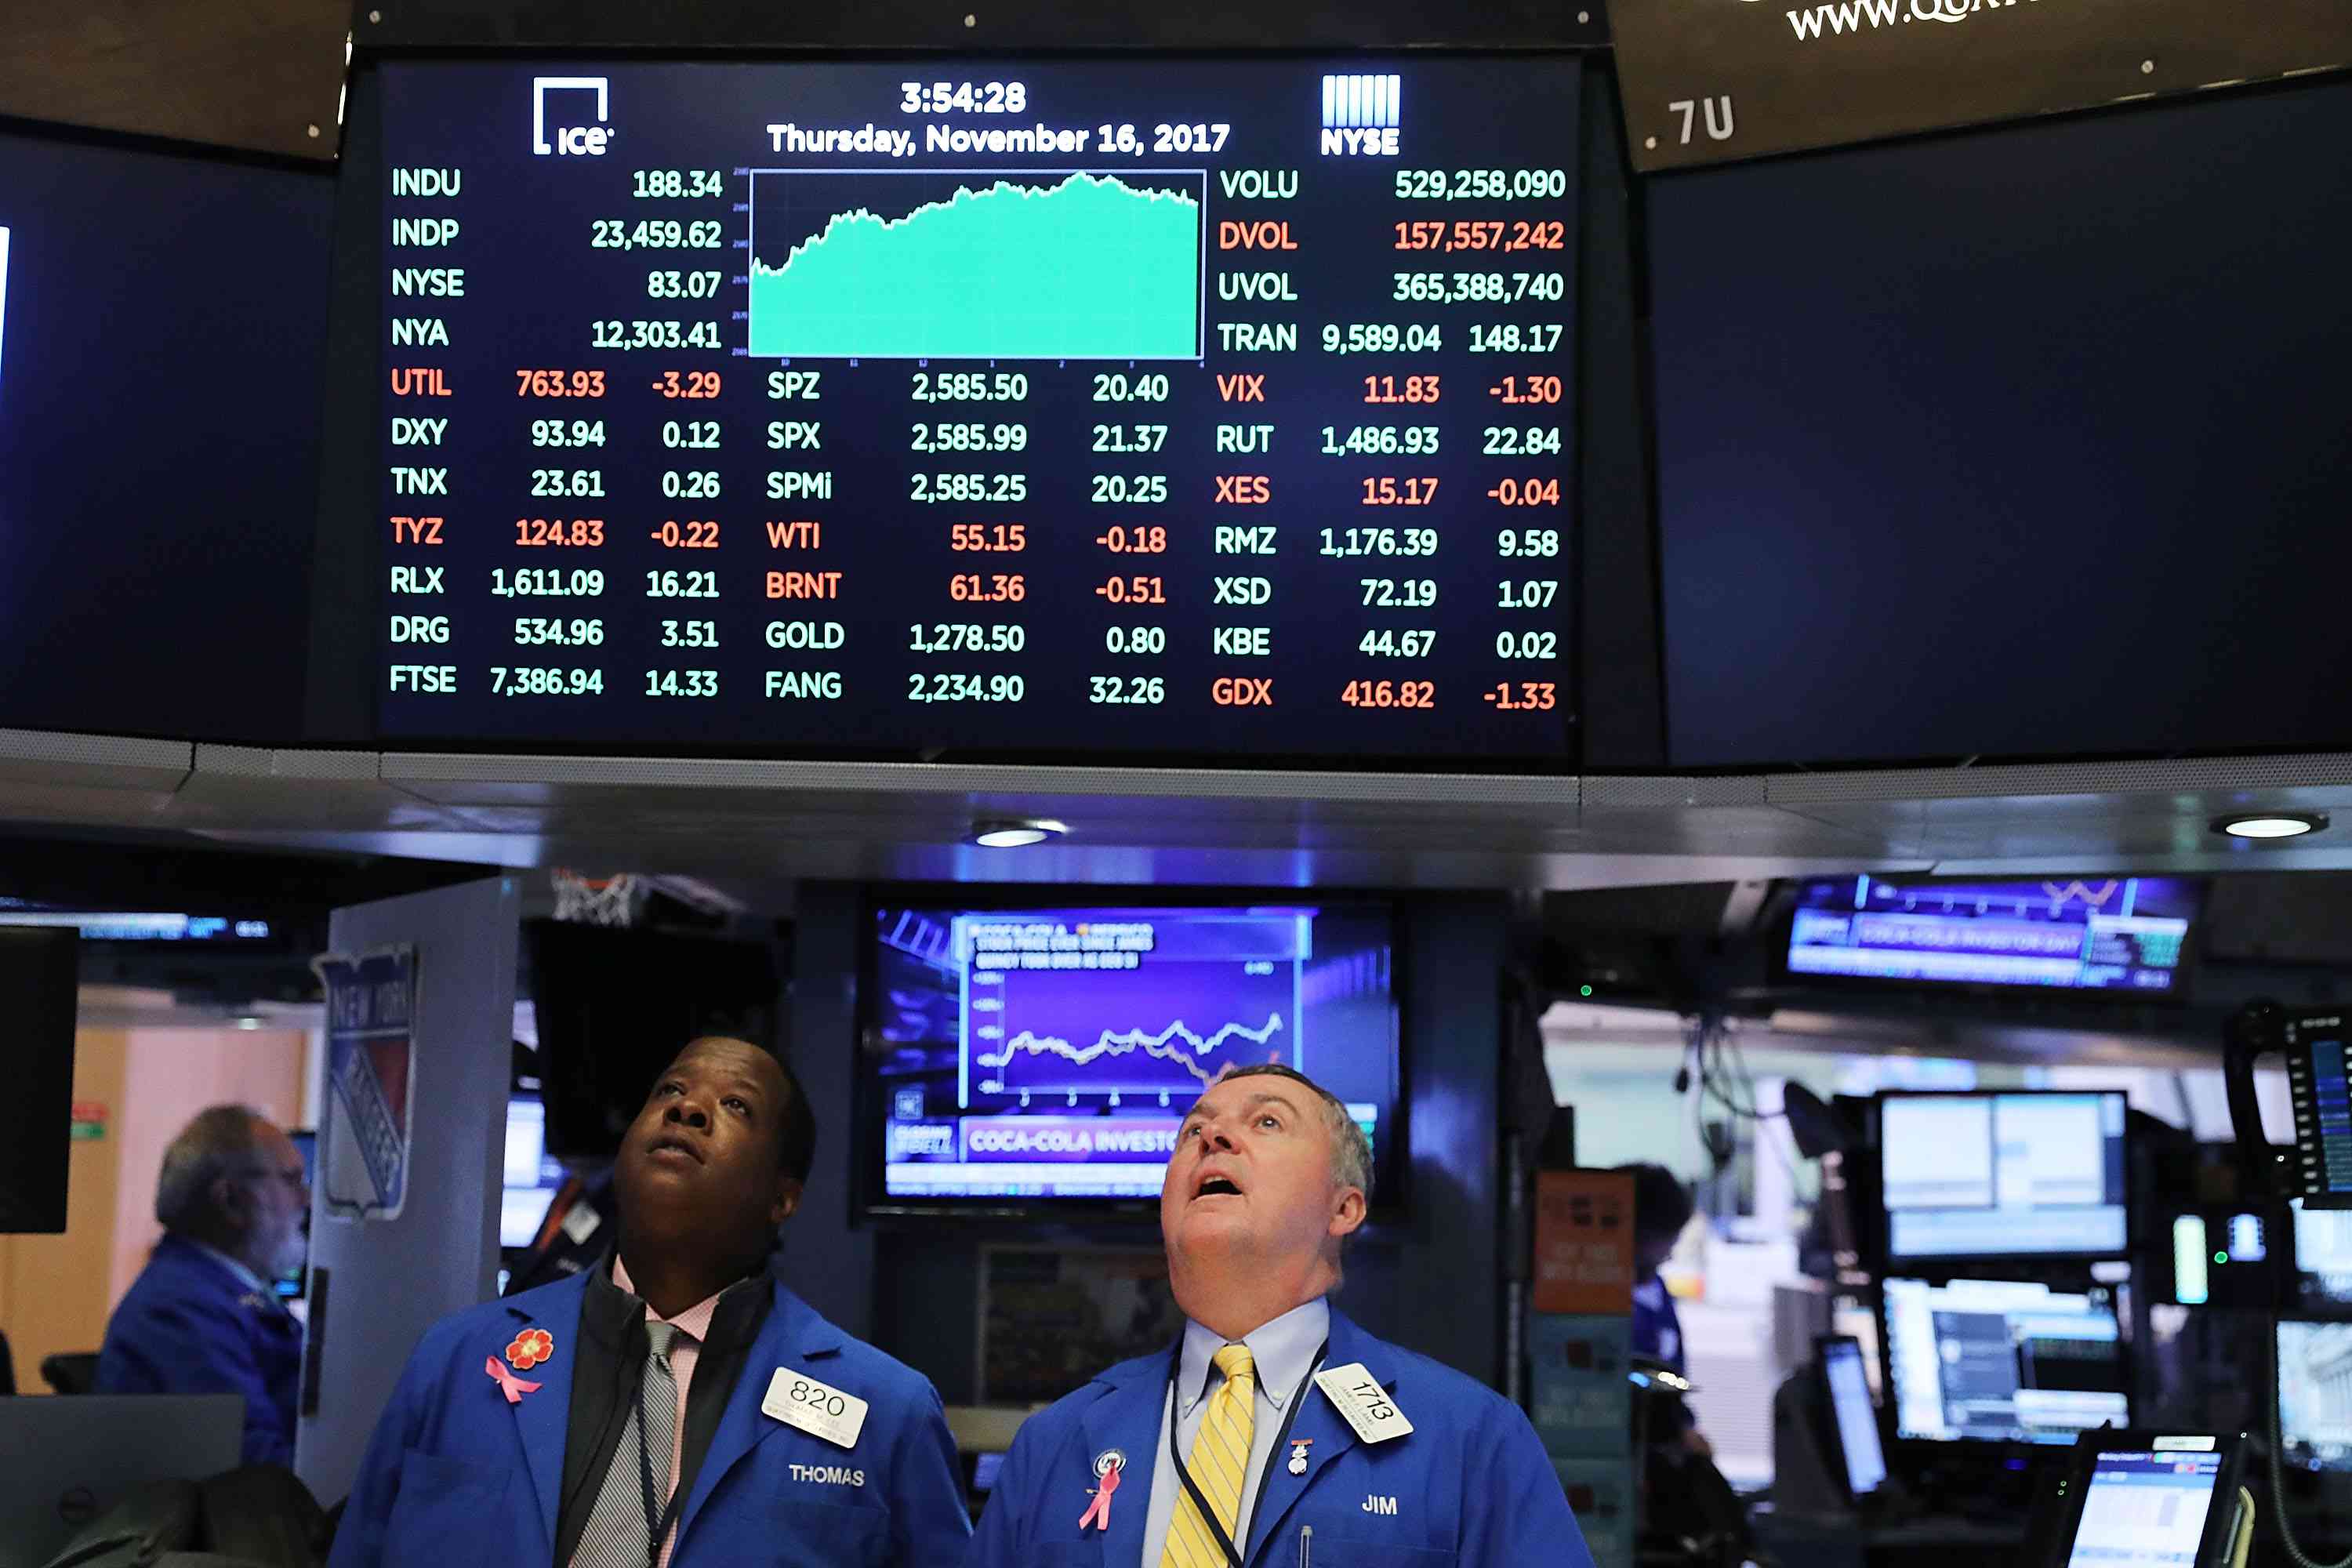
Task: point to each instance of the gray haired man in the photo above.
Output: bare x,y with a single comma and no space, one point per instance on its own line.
202,1316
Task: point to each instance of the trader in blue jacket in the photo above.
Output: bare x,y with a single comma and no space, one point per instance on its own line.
1274,1431
204,1316
675,1406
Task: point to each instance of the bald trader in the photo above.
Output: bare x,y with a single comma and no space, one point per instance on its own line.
1274,1431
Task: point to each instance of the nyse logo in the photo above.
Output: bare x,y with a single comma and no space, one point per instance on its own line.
566,141
1360,116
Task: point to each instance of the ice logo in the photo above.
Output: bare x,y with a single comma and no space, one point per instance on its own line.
583,141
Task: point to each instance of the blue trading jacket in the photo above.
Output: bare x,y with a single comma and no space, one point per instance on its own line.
187,1325
458,1475
1469,1487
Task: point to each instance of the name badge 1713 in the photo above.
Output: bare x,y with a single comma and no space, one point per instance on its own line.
818,1408
1360,1400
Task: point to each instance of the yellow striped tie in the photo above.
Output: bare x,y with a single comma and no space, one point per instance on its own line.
1219,1463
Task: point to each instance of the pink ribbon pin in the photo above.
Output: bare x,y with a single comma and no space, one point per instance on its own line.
1098,1511
513,1387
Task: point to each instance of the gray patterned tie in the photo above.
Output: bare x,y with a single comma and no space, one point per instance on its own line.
618,1527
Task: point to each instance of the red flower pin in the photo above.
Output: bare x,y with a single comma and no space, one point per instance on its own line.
530,1348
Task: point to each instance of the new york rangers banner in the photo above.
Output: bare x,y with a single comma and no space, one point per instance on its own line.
371,1079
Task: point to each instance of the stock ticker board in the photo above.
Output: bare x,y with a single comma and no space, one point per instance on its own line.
1107,408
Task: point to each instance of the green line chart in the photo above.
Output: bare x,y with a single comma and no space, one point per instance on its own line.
1056,264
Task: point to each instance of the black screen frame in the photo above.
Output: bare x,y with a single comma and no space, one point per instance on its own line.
342,699
37,1119
2082,1463
1841,1468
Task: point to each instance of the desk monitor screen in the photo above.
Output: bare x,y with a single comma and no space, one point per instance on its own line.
1052,1053
531,1177
1119,407
2314,1393
75,1458
2002,1361
1986,1175
1855,1416
2146,1509
2323,1258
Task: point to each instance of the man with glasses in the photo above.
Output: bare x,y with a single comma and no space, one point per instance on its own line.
204,1316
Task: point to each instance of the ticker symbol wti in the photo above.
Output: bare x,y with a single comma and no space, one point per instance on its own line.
583,141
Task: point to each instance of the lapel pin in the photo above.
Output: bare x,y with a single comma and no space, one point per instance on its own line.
1299,1447
1108,1466
513,1387
530,1348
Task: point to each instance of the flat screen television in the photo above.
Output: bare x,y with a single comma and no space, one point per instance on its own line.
1018,1052
2016,1174
2113,935
39,977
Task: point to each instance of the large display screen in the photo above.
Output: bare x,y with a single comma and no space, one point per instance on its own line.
1037,407
1998,1175
2111,933
1941,457
2002,1361
163,329
1052,1053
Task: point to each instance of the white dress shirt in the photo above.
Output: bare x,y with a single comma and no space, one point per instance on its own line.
1284,1351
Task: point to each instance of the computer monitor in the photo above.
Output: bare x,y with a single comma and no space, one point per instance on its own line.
531,1176
2323,1258
2151,1501
1852,1416
2004,1174
69,1460
2315,1394
2001,1361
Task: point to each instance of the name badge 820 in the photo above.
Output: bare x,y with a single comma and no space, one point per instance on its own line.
818,1408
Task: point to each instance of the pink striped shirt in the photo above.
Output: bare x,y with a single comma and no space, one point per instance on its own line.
693,1327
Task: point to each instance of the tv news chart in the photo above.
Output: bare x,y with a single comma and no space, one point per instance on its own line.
1147,406
1055,1052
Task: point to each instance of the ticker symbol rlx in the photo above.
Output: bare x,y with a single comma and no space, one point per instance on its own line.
566,141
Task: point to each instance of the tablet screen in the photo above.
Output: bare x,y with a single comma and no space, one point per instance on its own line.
2146,1509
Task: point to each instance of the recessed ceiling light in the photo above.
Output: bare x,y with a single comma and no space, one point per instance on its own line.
1015,835
2271,824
